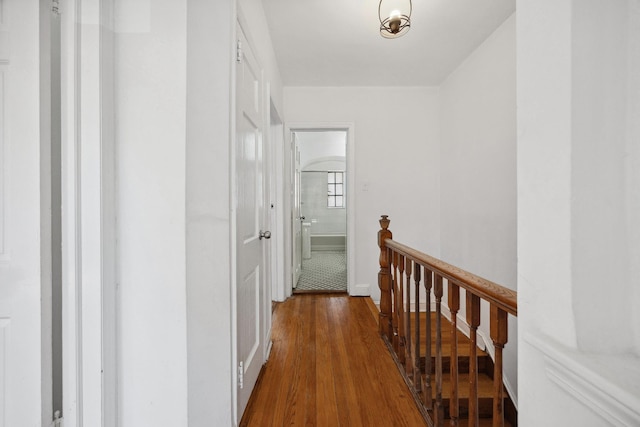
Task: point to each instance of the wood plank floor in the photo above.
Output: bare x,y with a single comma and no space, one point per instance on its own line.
329,367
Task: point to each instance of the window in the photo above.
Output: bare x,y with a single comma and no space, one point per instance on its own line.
335,182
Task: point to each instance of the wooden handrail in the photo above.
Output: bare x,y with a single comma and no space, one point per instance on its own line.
402,320
502,297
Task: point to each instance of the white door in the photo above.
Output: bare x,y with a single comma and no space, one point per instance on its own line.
297,218
25,399
249,218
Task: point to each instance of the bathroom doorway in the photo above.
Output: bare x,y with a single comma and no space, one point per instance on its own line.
320,211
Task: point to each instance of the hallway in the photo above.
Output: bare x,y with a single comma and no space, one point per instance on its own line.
329,367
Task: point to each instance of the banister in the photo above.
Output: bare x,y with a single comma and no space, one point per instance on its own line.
402,326
502,297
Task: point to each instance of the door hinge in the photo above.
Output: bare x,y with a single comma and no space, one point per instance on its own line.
57,420
239,51
241,375
55,6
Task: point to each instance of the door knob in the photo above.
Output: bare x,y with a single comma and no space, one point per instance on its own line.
302,218
265,234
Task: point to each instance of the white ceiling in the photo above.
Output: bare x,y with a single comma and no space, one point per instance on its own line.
338,43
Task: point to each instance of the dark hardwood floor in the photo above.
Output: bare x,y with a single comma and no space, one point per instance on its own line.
329,367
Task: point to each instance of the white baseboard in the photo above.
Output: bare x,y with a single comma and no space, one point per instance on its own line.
269,347
361,290
511,391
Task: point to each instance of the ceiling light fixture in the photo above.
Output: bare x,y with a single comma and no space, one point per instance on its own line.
396,25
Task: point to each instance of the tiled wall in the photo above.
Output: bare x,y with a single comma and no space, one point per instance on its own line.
314,208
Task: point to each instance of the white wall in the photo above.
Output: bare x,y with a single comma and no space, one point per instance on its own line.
174,92
632,166
208,213
478,160
478,171
604,131
25,235
252,13
577,192
395,127
150,81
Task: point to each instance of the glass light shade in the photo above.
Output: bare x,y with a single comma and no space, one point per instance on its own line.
397,24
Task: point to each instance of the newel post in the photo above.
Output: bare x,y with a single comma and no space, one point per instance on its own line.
384,280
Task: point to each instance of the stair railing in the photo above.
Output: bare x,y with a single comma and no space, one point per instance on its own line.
400,326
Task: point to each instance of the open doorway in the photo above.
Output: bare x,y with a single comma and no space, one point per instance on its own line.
320,211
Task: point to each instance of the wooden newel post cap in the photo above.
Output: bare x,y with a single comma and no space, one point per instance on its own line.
384,222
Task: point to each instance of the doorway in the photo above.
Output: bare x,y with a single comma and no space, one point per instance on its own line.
320,211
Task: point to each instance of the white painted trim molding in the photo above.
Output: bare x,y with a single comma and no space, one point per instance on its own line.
608,384
3,156
233,261
360,290
88,190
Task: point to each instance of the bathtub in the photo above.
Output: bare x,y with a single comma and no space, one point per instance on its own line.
328,242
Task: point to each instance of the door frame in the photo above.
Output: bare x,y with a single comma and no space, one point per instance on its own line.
349,128
275,137
90,367
273,140
296,206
